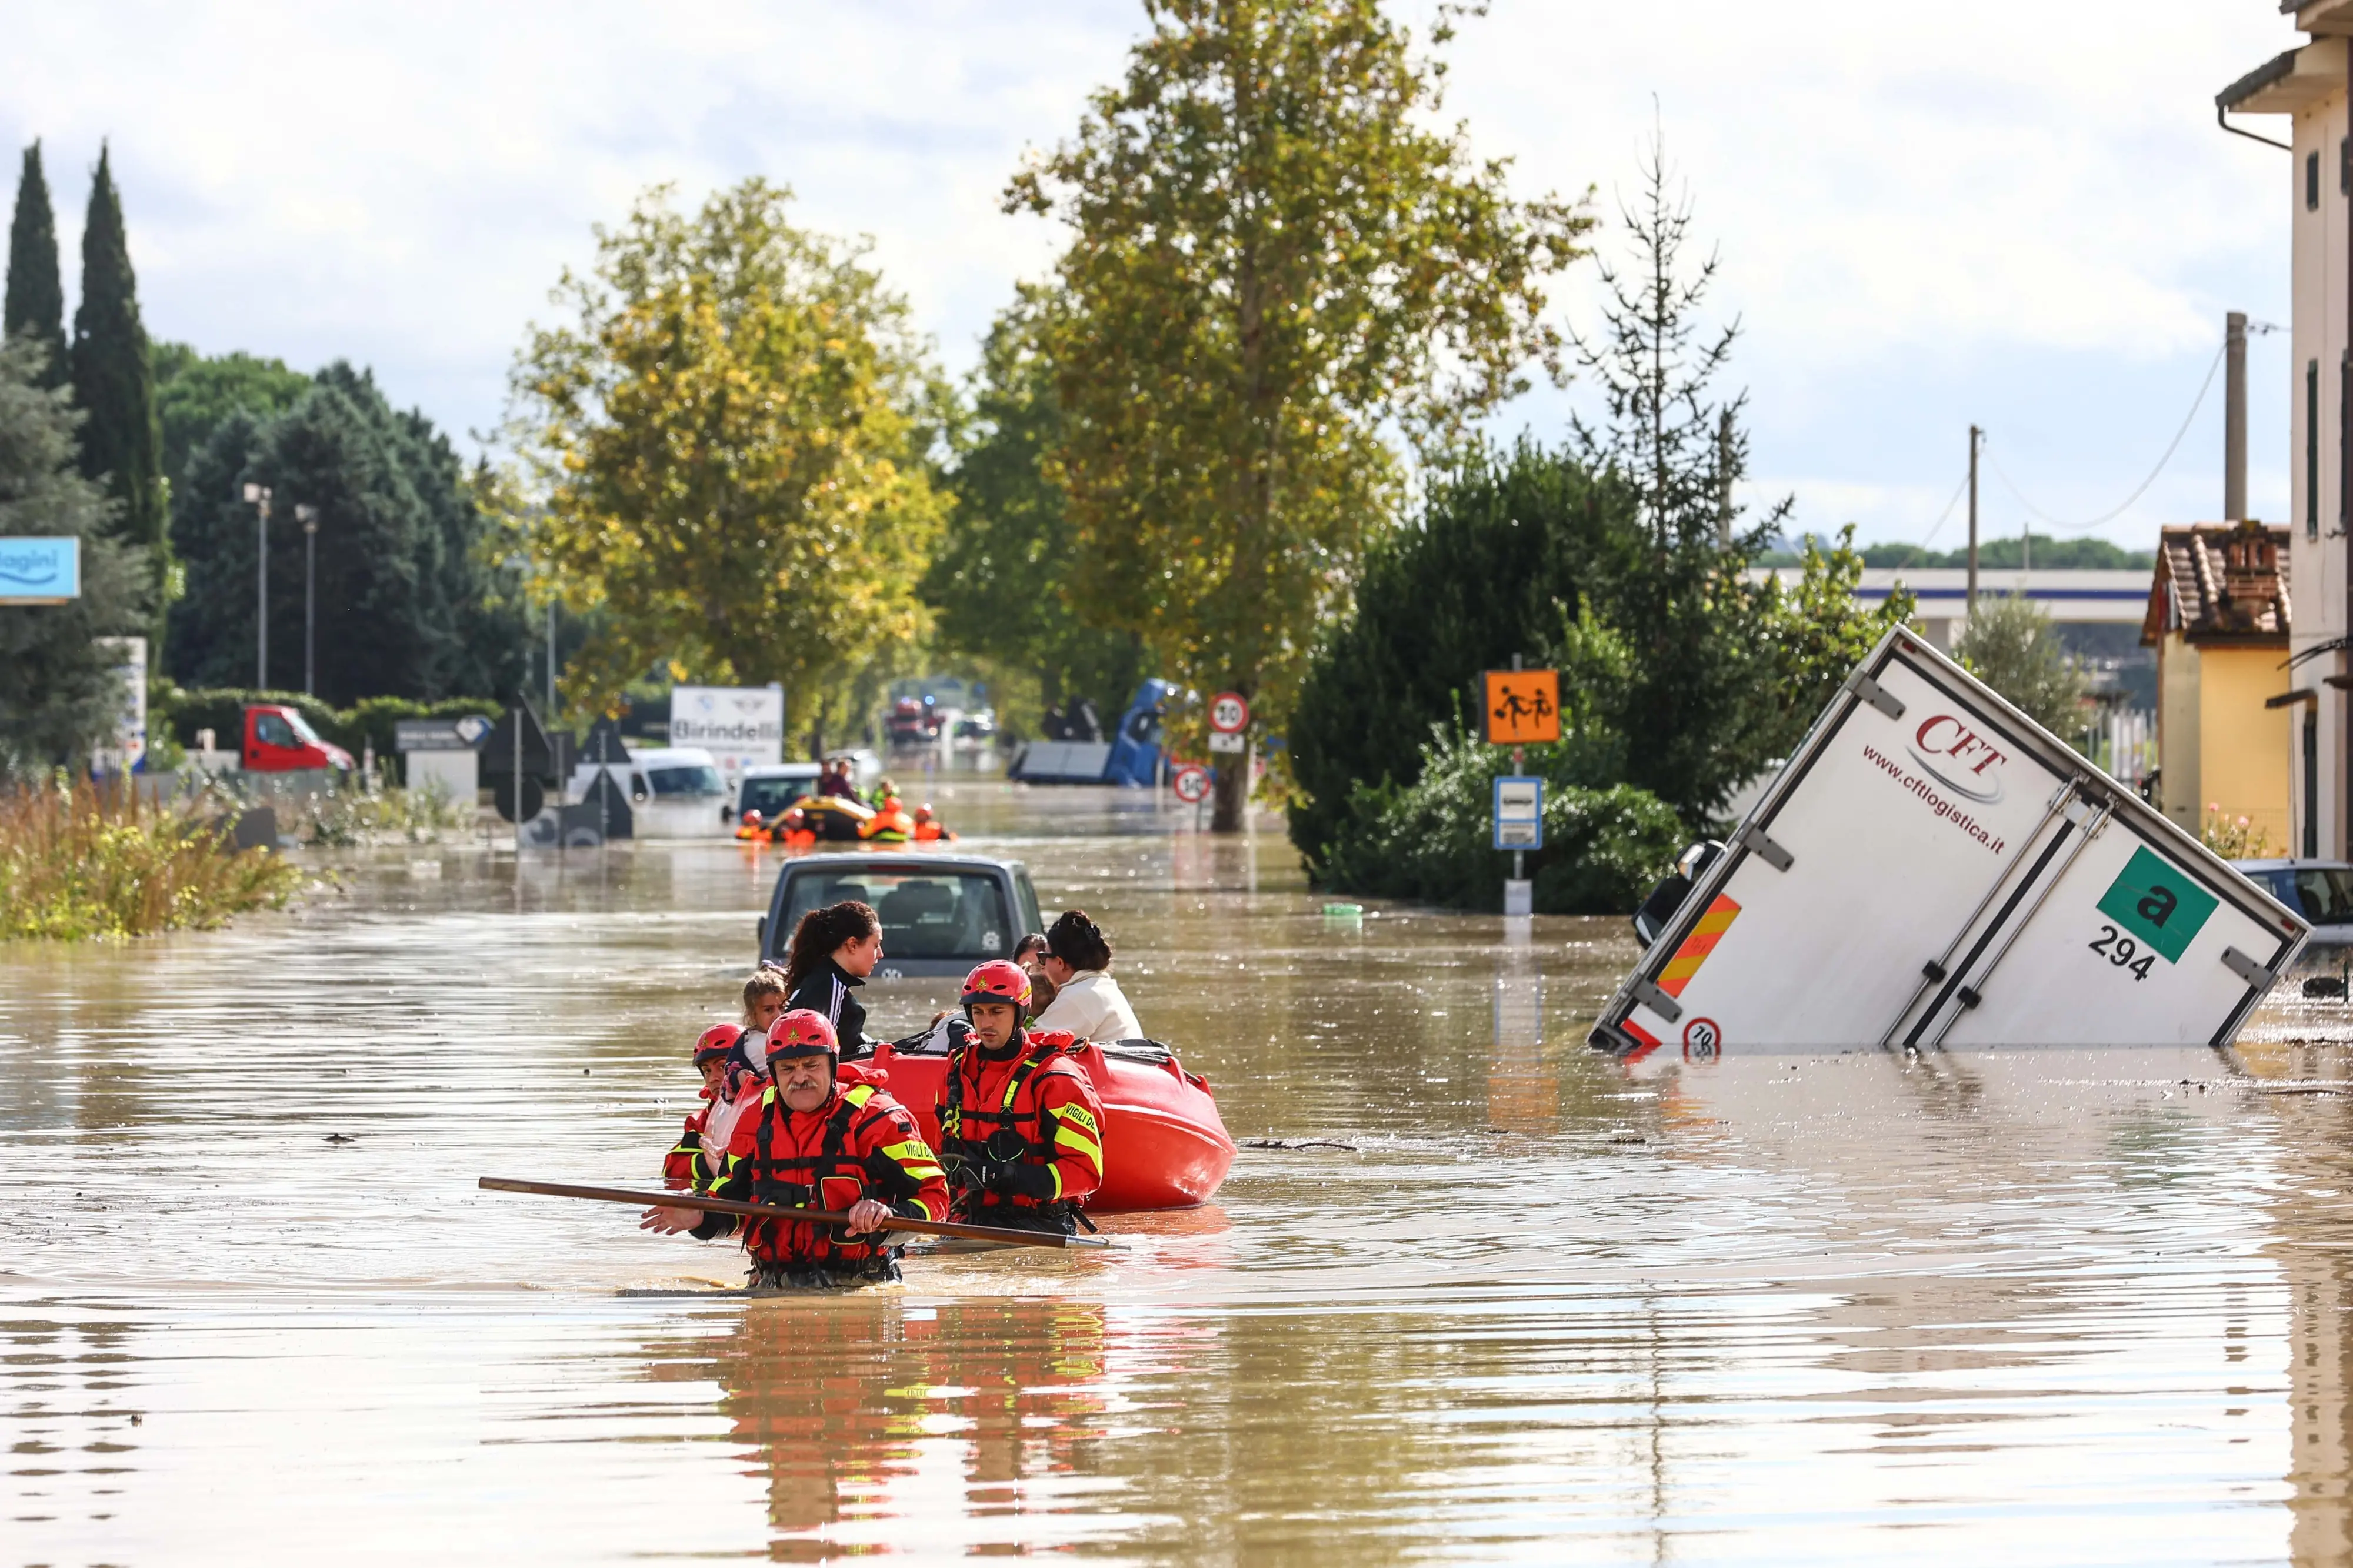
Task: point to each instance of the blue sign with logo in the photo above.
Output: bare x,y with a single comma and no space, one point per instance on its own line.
1519,813
39,571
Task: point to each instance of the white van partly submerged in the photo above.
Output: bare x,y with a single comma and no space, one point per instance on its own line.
674,791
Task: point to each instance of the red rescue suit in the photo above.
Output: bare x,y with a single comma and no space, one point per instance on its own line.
861,1143
1021,1131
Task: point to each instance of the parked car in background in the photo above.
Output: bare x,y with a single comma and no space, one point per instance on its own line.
2319,890
277,740
674,791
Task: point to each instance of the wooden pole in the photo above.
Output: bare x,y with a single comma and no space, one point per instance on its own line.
1005,1234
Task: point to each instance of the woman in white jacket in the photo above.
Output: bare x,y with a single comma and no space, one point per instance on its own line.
1087,1001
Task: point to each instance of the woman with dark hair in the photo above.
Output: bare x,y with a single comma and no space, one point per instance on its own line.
1086,1000
833,950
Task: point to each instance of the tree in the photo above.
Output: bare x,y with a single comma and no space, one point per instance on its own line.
194,393
407,603
2010,645
1000,583
730,447
59,692
1500,558
1276,260
1675,593
113,383
36,296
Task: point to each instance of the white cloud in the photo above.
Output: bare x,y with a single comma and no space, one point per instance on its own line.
2012,213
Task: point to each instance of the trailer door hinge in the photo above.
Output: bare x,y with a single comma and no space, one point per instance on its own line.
1878,696
1656,1000
1754,839
2247,968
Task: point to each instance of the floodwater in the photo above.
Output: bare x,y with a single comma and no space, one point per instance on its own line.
2058,1307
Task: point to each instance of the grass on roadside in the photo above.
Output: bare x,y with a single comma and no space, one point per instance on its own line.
81,860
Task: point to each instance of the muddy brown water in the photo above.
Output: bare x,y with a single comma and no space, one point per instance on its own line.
2037,1308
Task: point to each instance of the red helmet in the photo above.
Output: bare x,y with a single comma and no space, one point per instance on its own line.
802,1032
998,981
717,1041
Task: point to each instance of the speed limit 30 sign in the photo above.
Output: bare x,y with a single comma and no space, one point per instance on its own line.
1191,783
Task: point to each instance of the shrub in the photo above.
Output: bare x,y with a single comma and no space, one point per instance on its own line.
1429,841
78,860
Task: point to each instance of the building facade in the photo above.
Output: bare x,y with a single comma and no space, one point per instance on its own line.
2306,86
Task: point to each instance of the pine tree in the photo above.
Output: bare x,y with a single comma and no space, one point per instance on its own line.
36,298
113,382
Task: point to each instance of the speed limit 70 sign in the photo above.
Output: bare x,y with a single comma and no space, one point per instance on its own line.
1229,714
1191,784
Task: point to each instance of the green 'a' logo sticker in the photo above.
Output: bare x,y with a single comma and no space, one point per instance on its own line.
2158,903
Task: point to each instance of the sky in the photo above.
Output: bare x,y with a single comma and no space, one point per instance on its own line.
2014,214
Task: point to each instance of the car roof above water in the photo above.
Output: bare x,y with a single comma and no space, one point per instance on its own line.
2298,864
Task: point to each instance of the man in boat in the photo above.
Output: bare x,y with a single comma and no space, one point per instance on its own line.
1020,1125
814,1142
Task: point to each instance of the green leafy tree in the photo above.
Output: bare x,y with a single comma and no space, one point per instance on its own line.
1499,558
59,692
113,383
729,452
1278,258
36,296
2010,645
194,393
408,603
1000,583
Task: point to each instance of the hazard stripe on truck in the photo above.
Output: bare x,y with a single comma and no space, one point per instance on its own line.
1698,945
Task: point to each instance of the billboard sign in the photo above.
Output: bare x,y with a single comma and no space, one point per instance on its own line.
39,571
740,726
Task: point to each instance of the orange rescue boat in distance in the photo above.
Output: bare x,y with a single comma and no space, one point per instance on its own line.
1165,1145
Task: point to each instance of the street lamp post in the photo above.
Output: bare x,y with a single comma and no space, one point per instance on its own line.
257,497
308,516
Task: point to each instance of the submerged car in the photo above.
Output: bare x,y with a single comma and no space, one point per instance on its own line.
2320,890
941,914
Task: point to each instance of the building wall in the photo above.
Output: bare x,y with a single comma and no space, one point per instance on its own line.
2178,758
2316,553
2244,749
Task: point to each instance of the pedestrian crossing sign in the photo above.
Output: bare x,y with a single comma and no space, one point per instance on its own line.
1522,707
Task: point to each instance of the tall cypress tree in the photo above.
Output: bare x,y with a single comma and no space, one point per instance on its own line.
37,297
113,380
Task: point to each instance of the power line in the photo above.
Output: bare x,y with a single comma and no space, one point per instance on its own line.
2142,489
1943,518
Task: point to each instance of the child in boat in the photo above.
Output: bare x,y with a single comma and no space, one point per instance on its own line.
763,999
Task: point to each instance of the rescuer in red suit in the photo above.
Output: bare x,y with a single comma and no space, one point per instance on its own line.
1020,1125
816,1143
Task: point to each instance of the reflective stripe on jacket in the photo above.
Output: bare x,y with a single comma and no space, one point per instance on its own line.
1040,1096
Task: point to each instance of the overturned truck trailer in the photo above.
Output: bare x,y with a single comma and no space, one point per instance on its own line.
1931,868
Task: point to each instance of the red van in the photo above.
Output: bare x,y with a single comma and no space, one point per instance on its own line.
277,740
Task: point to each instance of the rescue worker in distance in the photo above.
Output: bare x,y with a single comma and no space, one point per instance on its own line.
816,1143
1021,1124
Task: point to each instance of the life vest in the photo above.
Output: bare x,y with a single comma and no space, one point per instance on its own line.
982,1140
926,832
891,826
834,1177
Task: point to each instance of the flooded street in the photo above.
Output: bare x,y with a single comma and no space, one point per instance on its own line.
1513,1302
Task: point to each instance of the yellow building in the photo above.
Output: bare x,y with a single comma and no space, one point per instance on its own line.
2227,724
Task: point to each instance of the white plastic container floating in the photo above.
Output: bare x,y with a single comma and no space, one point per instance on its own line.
1931,868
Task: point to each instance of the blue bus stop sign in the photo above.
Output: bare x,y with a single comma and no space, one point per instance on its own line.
1519,813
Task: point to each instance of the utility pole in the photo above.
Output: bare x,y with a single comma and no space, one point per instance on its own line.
2234,416
1977,439
257,497
1724,477
308,516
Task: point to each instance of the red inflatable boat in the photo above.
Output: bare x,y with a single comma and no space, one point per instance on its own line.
1165,1145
